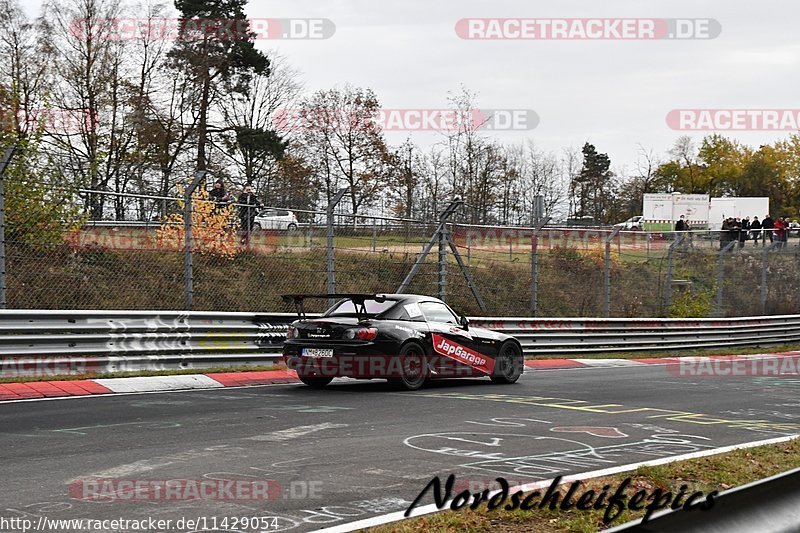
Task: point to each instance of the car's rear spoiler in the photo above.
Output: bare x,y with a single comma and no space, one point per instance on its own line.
358,300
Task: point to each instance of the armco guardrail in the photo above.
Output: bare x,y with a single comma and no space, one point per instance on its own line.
567,336
770,505
113,341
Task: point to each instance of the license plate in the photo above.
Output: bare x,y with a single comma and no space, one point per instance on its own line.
317,352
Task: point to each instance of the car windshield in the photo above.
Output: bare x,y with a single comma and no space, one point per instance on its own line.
373,307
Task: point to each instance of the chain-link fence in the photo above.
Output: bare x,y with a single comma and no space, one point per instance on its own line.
243,256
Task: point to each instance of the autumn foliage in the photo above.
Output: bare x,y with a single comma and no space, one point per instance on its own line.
213,227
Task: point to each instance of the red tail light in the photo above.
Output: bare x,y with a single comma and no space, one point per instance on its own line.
366,334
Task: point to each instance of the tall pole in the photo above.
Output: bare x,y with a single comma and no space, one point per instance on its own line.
331,268
535,265
7,156
442,262
188,265
607,274
721,277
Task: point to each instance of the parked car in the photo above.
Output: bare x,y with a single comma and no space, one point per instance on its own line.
279,219
404,338
633,223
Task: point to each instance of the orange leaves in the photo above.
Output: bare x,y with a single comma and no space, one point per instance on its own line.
213,228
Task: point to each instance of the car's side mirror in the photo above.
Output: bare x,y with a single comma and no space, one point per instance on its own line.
464,321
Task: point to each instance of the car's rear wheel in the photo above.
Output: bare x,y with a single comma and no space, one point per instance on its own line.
413,368
314,382
509,364
291,227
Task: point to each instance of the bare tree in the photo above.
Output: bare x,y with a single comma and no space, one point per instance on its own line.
346,143
255,135
24,65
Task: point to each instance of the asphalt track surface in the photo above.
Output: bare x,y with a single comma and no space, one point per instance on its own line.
358,449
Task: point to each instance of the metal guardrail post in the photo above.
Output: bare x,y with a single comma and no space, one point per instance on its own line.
188,265
7,156
720,277
607,274
331,270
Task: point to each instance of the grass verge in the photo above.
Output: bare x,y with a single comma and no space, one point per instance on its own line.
707,474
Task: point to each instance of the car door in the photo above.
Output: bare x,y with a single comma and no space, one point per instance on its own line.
454,348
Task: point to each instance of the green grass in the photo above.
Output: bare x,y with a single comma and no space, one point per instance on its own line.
707,474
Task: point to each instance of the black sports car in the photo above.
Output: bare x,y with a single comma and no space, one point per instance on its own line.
400,337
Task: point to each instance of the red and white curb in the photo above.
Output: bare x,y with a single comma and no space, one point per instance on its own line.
89,387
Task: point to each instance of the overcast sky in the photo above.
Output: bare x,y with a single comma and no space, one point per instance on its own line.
614,94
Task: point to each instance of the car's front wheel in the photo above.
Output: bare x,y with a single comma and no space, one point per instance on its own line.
413,368
509,364
314,382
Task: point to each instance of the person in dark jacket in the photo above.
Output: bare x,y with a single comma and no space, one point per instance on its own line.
726,233
767,225
248,209
219,196
755,231
744,229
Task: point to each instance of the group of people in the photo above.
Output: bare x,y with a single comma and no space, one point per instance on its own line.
247,204
735,229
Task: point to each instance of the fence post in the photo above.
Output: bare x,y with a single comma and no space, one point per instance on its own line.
764,267
331,271
188,266
607,274
668,284
374,234
720,276
534,273
442,280
7,156
535,265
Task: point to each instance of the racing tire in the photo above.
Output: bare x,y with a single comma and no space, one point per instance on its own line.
508,365
413,368
291,227
255,227
315,382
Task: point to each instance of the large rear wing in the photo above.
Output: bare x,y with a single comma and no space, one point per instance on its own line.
357,299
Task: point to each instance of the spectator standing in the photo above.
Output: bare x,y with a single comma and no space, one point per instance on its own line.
767,225
219,196
725,234
744,229
248,209
780,231
681,230
755,230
